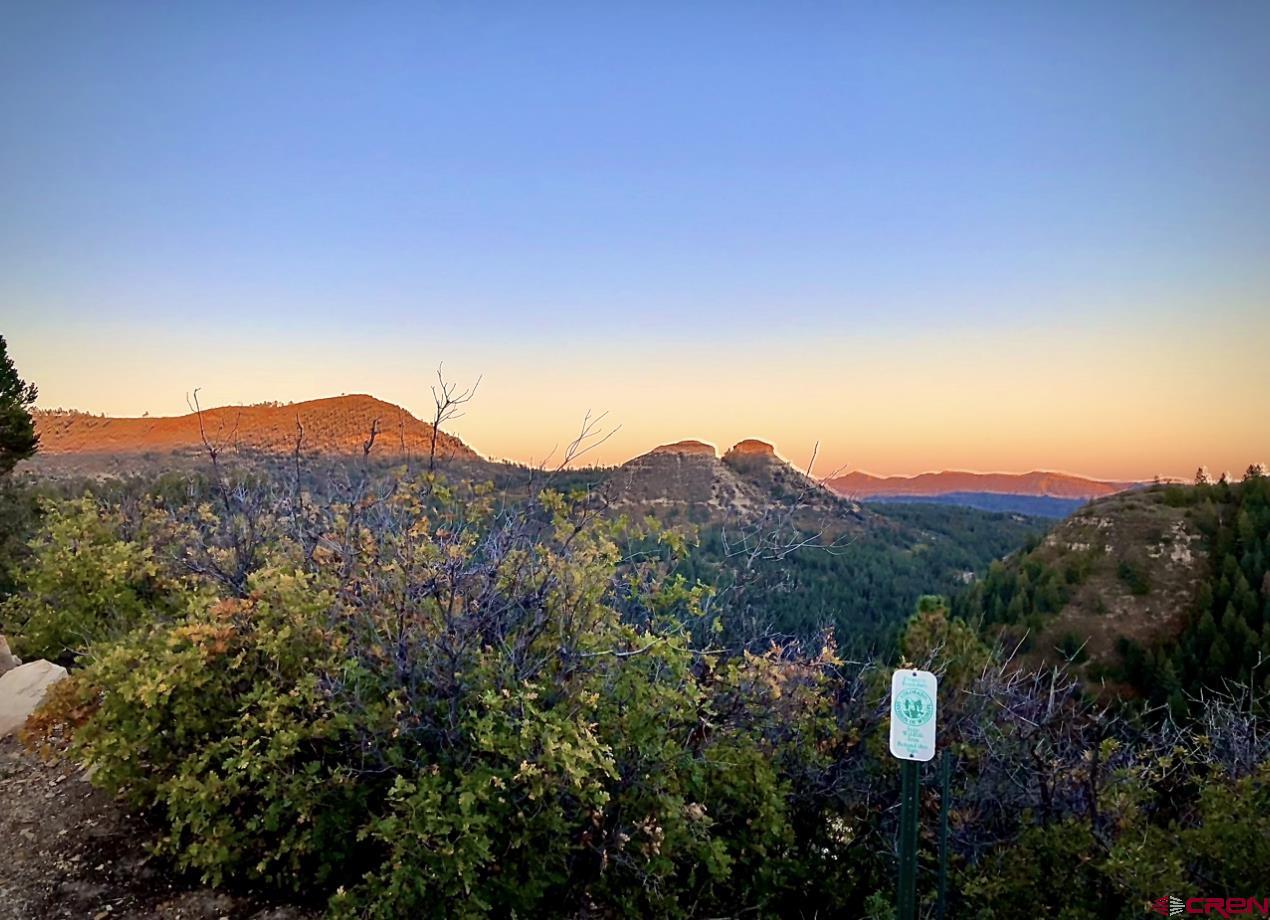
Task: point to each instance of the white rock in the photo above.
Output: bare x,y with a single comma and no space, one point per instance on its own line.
8,661
22,690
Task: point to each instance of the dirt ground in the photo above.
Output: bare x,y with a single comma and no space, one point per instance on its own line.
67,850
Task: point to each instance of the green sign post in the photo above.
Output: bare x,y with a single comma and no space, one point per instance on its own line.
913,707
906,903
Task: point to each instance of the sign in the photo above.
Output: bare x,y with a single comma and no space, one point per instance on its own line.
913,695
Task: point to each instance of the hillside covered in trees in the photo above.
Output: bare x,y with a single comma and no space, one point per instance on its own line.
863,588
1164,592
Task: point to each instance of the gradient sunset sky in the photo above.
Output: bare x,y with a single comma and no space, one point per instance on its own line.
972,235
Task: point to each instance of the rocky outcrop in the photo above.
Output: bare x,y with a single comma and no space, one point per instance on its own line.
22,690
751,447
689,448
758,464
687,475
688,480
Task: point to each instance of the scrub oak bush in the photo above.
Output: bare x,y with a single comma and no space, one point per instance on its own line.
87,578
420,698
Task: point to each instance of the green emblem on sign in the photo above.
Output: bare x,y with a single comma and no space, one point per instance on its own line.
914,706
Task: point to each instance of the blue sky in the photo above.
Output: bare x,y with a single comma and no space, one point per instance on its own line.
263,188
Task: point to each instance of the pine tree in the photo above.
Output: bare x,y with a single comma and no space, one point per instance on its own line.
1245,532
18,439
1205,633
1244,598
1177,705
1166,674
1230,622
1218,665
1203,598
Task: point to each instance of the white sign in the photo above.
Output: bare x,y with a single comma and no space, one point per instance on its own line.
913,696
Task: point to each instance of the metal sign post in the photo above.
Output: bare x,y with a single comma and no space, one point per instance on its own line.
906,902
913,709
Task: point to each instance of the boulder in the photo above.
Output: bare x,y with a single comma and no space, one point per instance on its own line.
22,690
8,661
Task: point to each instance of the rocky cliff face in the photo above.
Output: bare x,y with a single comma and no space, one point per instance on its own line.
751,447
687,448
747,482
687,474
757,462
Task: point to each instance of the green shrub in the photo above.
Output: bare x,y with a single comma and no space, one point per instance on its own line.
1134,575
503,739
1229,845
83,583
220,721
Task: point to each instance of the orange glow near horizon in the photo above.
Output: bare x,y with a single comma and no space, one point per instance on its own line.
1121,405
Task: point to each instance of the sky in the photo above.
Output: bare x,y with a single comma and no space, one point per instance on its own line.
989,236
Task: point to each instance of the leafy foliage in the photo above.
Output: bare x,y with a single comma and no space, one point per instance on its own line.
432,699
86,581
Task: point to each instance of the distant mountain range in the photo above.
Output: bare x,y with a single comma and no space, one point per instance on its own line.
1038,482
341,425
1039,492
